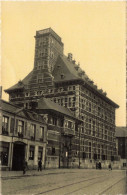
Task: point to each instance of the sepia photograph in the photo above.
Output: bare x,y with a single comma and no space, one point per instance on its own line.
63,98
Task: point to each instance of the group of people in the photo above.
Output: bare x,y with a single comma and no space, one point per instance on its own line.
98,166
25,166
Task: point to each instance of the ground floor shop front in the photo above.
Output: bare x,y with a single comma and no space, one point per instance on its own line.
13,152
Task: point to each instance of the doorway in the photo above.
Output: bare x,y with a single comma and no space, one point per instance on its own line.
18,156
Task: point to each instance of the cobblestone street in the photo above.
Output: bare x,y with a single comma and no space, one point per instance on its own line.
64,181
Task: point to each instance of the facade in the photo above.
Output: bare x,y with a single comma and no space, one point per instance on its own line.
61,79
62,134
22,136
121,142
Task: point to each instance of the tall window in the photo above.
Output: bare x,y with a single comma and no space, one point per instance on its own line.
5,124
31,153
42,132
69,124
33,129
20,126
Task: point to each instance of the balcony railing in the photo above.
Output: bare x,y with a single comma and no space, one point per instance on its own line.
67,131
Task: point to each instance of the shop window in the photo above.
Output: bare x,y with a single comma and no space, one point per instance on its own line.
4,148
31,154
5,123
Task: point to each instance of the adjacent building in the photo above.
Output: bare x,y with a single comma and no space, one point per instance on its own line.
60,79
22,136
121,142
62,134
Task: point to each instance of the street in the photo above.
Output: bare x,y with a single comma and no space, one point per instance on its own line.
64,181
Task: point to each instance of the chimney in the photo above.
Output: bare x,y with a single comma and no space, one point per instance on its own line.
73,61
70,56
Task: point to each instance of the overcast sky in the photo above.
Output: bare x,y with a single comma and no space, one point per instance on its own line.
94,32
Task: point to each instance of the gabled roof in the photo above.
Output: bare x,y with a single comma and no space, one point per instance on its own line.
47,104
64,67
20,84
21,112
121,132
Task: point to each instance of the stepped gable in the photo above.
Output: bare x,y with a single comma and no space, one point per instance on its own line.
47,104
21,84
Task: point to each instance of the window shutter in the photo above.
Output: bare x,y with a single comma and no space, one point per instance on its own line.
12,125
16,129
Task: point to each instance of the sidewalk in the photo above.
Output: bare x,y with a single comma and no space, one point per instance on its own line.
13,174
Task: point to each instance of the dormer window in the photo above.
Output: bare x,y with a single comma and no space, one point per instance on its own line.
27,94
62,76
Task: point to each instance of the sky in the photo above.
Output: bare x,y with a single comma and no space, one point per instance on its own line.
94,32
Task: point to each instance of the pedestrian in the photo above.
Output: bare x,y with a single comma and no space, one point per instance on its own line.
110,167
40,165
99,165
24,166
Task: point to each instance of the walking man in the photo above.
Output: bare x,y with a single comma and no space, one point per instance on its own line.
40,165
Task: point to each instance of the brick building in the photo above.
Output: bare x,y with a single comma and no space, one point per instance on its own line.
22,136
59,78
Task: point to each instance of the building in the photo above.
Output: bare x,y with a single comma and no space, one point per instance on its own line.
62,134
61,79
22,136
121,142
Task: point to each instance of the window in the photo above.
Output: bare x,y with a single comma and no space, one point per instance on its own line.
54,121
5,123
40,153
40,80
31,154
42,132
4,148
69,124
53,151
20,126
33,129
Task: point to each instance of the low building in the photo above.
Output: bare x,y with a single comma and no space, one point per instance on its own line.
63,146
22,136
121,142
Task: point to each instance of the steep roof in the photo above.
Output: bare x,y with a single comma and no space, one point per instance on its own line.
68,69
47,104
21,112
21,84
121,132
